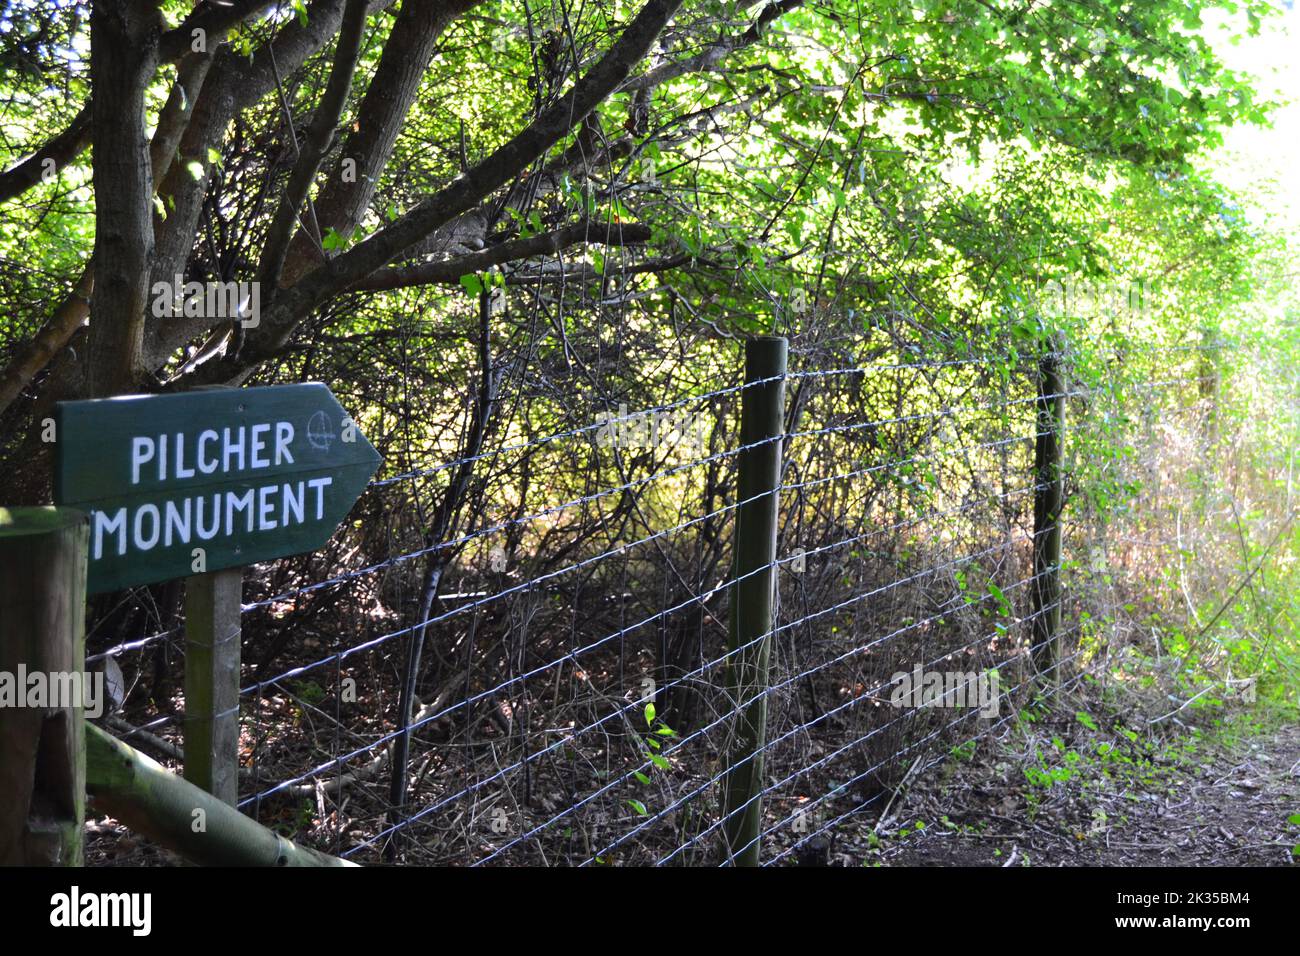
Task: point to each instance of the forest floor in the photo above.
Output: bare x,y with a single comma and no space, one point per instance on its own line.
1106,777
1080,787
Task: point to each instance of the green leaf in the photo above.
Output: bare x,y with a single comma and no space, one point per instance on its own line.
639,807
1004,606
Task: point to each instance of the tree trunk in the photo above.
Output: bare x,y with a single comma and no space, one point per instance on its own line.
123,55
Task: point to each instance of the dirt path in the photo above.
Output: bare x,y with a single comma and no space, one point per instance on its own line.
1072,791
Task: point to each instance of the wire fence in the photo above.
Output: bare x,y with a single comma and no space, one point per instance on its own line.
525,650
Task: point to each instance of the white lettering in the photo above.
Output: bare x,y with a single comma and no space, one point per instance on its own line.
266,508
142,450
207,465
256,459
181,470
104,523
320,484
178,522
139,539
283,436
293,501
235,450
241,503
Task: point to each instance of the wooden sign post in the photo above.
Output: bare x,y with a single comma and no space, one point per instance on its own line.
199,485
212,657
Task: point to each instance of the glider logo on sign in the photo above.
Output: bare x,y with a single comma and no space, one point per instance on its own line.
246,475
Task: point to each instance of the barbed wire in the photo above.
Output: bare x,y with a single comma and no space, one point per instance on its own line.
766,692
851,745
902,454
461,540
573,655
681,681
1060,688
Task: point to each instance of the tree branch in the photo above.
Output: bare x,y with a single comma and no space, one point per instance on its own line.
53,335
459,196
341,203
715,53
215,20
62,149
320,132
449,271
175,44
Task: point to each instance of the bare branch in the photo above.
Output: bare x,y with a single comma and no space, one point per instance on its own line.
449,271
320,133
715,53
461,194
62,149
214,20
410,45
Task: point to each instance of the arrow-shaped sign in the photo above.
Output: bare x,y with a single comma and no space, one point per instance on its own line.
205,480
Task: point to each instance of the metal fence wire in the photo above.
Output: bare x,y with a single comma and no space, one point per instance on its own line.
538,648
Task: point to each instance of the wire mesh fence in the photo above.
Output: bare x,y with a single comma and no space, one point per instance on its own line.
523,650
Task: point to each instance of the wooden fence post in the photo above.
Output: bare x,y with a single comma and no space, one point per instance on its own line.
213,607
762,424
42,631
1208,382
212,635
1049,499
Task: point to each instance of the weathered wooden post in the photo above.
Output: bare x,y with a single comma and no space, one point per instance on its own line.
1049,499
213,632
212,652
42,636
753,596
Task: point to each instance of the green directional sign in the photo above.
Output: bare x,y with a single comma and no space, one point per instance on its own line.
205,480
